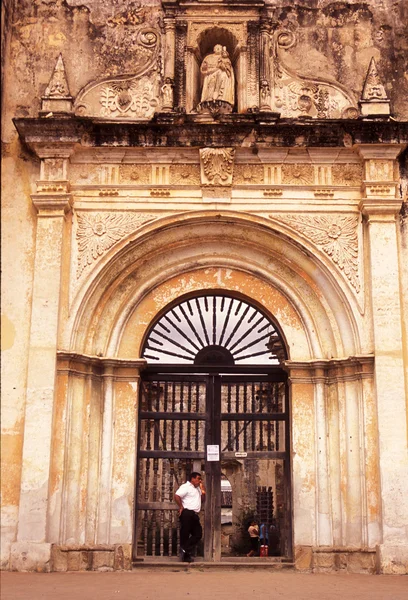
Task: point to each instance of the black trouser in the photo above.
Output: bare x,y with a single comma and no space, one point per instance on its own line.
191,531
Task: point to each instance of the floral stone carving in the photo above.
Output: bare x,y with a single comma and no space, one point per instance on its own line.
217,165
297,174
98,232
185,174
249,174
335,235
348,174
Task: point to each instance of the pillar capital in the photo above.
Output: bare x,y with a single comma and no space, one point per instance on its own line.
380,151
52,204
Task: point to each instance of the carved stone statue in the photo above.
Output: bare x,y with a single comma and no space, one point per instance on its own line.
218,76
167,94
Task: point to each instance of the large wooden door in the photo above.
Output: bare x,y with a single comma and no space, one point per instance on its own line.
180,417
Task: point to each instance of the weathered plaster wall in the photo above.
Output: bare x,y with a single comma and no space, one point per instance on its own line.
336,39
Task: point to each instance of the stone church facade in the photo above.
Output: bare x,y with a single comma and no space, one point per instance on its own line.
165,151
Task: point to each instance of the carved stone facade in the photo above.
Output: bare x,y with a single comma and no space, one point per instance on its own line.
125,189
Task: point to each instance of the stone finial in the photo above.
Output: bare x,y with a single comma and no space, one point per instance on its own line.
57,97
374,99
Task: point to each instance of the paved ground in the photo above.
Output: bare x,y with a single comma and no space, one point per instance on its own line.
196,585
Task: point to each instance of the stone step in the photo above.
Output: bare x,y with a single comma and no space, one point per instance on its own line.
171,564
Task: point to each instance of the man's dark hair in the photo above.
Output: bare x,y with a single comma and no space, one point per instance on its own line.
193,475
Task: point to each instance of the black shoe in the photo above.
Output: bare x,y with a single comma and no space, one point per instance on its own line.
188,558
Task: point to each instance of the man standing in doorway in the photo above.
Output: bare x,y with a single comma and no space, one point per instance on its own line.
188,498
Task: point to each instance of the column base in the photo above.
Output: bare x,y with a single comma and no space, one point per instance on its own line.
392,560
325,559
30,556
115,557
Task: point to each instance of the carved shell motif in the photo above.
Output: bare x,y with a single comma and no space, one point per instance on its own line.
217,165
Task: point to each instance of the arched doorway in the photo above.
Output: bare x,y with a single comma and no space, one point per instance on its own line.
214,399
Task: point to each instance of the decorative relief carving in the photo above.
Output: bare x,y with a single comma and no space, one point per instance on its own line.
185,174
294,95
380,170
97,232
136,174
337,237
248,174
324,193
380,190
217,165
109,192
348,174
84,174
216,192
272,193
160,192
373,89
58,85
135,96
53,169
297,174
51,187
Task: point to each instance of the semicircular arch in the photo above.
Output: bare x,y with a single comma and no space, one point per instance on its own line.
244,254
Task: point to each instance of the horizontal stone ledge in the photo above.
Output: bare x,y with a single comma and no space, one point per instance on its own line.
183,131
85,547
339,549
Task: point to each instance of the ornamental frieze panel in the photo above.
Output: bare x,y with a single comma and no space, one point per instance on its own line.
186,174
249,174
98,232
336,236
297,174
135,174
347,174
85,174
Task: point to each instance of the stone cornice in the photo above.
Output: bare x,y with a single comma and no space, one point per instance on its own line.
328,370
45,136
69,362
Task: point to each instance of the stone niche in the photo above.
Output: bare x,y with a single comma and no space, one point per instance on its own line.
198,30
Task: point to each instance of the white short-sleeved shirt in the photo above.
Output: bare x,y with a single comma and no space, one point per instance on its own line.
190,496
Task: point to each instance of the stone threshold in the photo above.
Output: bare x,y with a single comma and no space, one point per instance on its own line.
235,563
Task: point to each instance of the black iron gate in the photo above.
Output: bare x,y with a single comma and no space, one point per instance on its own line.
247,418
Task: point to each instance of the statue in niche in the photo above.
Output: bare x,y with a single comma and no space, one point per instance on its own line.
218,77
167,94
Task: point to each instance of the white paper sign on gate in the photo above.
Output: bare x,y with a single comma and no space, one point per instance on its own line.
213,453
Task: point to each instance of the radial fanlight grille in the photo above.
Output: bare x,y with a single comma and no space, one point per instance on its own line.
214,329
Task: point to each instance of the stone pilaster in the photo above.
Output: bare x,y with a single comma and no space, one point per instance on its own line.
170,45
52,205
264,67
380,207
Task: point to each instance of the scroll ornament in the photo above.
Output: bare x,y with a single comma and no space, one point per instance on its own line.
133,96
98,232
336,236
